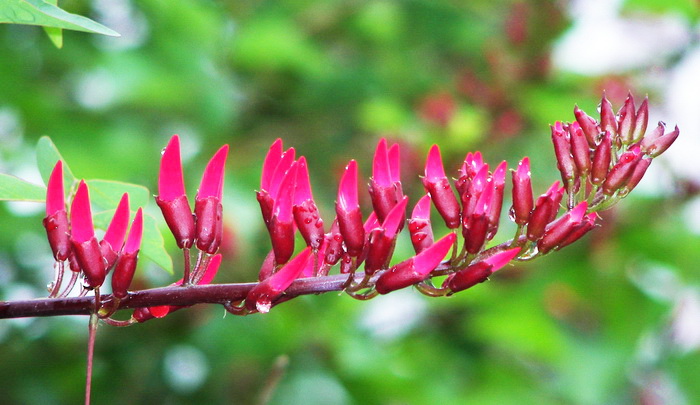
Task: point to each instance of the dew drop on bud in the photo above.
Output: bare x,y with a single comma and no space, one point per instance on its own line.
162,151
337,238
511,214
307,221
263,306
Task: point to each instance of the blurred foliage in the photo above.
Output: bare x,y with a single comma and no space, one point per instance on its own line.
596,323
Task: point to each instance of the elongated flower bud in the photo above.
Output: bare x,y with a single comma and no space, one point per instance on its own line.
419,225
347,209
438,186
562,151
587,223
579,149
381,244
560,229
282,223
480,271
494,215
126,263
56,220
607,119
601,160
85,246
522,192
659,145
113,240
620,174
381,185
641,121
476,224
415,269
588,125
171,196
639,170
208,210
542,214
626,119
261,296
306,215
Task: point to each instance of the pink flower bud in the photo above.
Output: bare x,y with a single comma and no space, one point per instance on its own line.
480,271
607,118
282,222
419,225
126,263
601,160
272,159
583,228
334,249
171,196
641,121
639,170
347,209
381,187
476,224
657,146
261,296
438,186
56,220
620,174
85,246
562,151
522,192
415,269
306,215
208,210
113,240
499,179
626,119
588,125
579,149
542,214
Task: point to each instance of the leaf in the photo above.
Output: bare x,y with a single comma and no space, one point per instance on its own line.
105,194
15,189
54,34
152,243
46,157
39,12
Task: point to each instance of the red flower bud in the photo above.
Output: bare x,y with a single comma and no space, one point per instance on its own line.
639,170
262,295
382,189
56,220
522,192
480,271
126,263
588,125
601,160
282,223
579,149
381,243
583,228
655,147
560,229
562,150
306,214
419,225
475,225
607,118
334,249
545,210
208,210
113,240
438,186
626,119
347,209
641,121
415,269
621,173
171,196
499,179
85,246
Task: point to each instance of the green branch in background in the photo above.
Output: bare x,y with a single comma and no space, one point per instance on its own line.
48,15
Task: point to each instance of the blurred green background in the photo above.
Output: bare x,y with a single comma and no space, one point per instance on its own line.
613,319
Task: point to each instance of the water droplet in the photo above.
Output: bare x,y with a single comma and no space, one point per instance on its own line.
337,237
511,213
263,306
307,221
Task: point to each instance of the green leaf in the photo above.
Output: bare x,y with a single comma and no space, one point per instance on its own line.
46,157
105,194
152,243
39,12
54,34
15,189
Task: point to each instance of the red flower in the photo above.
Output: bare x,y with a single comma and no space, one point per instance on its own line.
171,197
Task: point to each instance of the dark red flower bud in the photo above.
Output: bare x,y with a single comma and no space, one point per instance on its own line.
419,225
306,214
438,186
381,244
415,269
522,192
476,186
268,266
480,271
475,225
261,296
546,208
282,223
499,179
473,163
562,151
586,225
560,229
272,159
381,185
56,220
347,209
601,160
171,196
85,246
588,125
621,173
126,263
113,240
579,149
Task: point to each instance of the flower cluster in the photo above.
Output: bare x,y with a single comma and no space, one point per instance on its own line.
72,239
